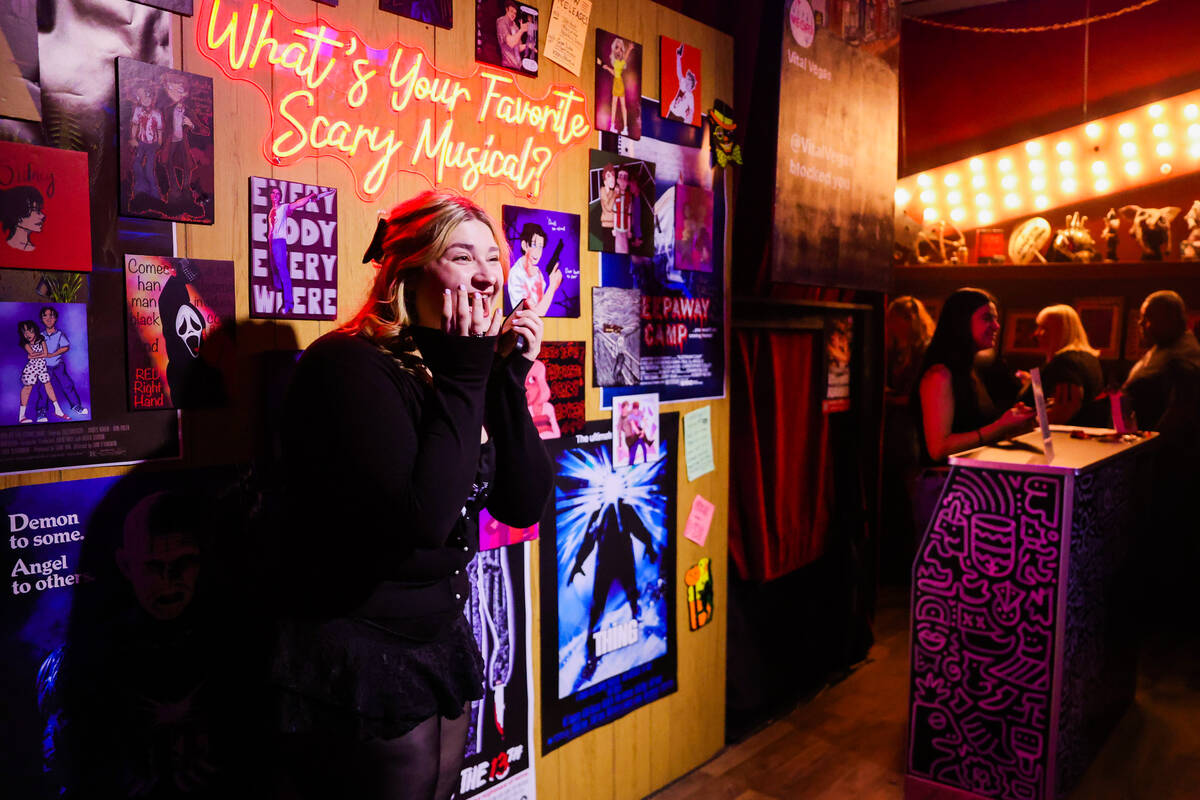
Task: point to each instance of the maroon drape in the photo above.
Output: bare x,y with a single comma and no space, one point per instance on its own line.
782,489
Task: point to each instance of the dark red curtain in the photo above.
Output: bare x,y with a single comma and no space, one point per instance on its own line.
782,487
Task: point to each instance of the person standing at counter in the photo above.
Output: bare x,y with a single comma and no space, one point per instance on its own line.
956,409
1164,385
397,429
1072,373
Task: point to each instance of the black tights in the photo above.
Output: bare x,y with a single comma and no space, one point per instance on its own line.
423,764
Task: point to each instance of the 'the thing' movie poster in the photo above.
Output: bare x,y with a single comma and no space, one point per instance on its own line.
607,577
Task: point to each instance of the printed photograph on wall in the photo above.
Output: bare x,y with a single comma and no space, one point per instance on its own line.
545,261
439,13
608,578
46,377
166,137
635,437
699,582
44,208
122,654
180,331
693,228
620,204
554,389
616,336
679,81
618,85
506,35
498,762
293,250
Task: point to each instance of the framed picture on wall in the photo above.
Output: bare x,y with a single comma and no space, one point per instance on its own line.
1101,318
1019,326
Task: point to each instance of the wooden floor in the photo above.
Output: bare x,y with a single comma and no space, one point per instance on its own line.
848,741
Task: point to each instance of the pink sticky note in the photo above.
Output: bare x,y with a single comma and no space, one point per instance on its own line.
699,520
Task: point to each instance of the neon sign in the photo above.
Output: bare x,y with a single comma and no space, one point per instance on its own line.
382,111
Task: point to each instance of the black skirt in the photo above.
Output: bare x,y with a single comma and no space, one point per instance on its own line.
351,678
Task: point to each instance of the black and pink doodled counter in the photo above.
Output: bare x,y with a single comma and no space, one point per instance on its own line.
1022,647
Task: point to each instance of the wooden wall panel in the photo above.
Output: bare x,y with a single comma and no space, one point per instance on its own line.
657,743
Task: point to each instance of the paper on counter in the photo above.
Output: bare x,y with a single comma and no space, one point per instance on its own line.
697,442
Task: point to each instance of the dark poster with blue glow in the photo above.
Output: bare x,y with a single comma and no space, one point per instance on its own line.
683,310
607,577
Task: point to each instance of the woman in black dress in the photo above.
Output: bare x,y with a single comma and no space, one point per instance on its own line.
397,429
1072,374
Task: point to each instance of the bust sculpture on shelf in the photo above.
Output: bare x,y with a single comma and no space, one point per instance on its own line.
941,243
1073,243
1152,229
1112,226
1189,248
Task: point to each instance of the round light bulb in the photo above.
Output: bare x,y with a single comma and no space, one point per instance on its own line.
982,200
1126,129
1041,201
951,179
1063,148
1066,167
1033,148
954,198
958,215
1005,164
978,181
1037,165
1038,184
1194,130
1092,130
1156,110
1009,181
1012,200
1129,149
928,196
976,164
1098,167
1164,149
902,197
1161,130
986,217
1069,185
1133,169
1191,111
1102,186
924,180
930,215
1165,169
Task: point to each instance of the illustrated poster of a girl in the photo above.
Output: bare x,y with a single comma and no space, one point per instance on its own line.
618,59
34,344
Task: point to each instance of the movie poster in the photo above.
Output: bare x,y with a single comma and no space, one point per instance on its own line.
635,432
839,348
554,389
545,261
439,13
620,204
498,763
293,250
616,336
44,213
45,379
679,81
166,145
180,331
118,655
682,336
618,84
506,35
608,578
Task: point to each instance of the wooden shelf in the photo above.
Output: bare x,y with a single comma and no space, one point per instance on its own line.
1107,270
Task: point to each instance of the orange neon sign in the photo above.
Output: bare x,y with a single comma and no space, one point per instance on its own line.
385,110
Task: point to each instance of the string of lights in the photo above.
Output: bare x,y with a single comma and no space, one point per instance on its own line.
1058,26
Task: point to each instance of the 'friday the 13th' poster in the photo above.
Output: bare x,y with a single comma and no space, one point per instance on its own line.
607,578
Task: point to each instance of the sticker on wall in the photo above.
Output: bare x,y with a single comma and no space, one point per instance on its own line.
616,336
545,267
166,136
180,336
506,35
44,208
618,85
699,582
693,228
554,389
45,379
679,81
608,581
293,250
439,13
620,204
635,433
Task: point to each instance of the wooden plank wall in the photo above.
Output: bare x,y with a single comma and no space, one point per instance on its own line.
657,743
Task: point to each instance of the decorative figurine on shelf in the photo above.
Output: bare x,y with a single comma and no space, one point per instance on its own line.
1189,248
904,249
1027,240
940,243
1152,229
1073,243
1112,226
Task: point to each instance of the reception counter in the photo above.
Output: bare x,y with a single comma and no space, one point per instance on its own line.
1022,650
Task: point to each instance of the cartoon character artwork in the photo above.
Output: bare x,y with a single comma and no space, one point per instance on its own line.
545,268
679,74
699,582
618,85
45,219
621,199
1152,229
49,357
721,126
506,35
165,118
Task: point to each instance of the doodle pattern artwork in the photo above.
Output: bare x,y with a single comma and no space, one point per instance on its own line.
984,596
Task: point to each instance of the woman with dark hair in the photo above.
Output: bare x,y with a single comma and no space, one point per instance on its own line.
397,429
957,408
21,214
